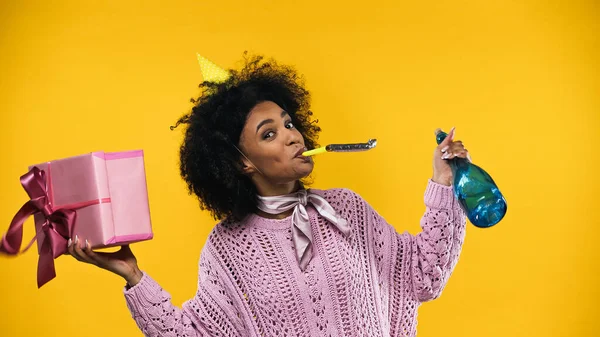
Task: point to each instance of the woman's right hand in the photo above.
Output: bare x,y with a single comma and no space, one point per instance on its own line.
122,262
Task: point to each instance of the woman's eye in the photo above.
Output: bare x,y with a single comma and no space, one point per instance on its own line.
289,125
268,134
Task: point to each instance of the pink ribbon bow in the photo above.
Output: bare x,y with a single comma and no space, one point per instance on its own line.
301,231
57,227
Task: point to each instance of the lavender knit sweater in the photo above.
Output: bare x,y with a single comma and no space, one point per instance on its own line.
369,283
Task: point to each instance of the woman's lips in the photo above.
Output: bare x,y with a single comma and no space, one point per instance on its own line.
300,156
299,153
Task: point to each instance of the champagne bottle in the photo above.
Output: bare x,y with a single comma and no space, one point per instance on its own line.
475,191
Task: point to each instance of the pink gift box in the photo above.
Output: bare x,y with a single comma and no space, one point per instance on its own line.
115,186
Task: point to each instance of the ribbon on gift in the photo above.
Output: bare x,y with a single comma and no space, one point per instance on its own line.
58,225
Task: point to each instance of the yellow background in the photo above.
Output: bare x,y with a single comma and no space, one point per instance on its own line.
520,81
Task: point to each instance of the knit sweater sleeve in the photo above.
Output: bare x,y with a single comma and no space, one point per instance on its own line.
434,252
155,315
210,312
418,266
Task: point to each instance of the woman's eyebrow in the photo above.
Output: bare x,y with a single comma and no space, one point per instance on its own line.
267,121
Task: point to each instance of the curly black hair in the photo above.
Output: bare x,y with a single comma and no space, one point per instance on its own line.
210,164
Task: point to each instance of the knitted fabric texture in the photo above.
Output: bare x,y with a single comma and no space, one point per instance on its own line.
369,283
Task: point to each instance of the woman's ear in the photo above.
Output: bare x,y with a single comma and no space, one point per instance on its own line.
246,166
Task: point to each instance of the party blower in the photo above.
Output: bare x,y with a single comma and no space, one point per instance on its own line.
357,147
475,191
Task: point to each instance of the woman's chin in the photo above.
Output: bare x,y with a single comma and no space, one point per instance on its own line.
304,169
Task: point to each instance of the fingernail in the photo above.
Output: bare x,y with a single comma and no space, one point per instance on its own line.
70,242
446,156
76,239
87,244
445,148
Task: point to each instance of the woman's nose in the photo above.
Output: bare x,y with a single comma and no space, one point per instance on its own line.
294,137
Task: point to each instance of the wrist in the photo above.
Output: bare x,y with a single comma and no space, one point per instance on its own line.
133,277
446,181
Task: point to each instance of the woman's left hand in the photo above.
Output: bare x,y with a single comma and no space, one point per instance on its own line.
448,149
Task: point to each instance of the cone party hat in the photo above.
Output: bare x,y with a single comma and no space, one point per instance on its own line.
211,72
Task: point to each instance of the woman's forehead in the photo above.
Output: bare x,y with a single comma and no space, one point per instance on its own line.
266,108
265,111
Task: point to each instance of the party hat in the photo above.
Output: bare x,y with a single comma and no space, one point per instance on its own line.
211,72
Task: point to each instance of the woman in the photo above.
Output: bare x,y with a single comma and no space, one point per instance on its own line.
285,260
